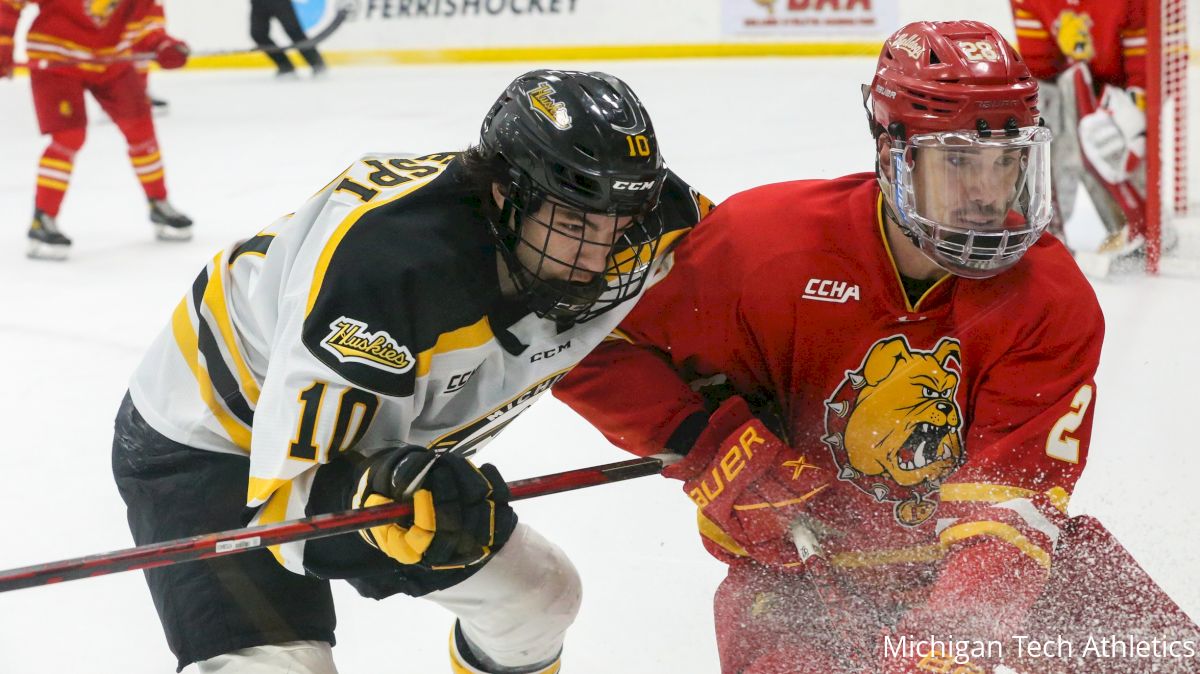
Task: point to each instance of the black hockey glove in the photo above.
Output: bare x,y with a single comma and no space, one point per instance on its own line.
460,512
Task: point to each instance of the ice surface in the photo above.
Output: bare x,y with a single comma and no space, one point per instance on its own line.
242,149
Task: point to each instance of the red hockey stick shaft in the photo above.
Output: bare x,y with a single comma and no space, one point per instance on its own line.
234,541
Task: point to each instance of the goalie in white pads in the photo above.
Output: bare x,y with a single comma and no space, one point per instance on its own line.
358,350
1091,59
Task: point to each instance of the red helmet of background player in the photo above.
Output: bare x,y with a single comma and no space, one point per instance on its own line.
977,196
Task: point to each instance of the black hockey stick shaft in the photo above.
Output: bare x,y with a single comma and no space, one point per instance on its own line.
312,41
234,541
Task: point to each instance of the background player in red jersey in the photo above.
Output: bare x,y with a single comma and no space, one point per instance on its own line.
895,364
1081,50
75,46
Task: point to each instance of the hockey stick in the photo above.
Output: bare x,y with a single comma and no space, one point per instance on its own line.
338,19
234,541
828,592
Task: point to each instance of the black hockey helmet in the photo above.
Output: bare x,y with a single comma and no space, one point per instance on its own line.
583,142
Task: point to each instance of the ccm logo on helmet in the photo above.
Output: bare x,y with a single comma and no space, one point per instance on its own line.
633,186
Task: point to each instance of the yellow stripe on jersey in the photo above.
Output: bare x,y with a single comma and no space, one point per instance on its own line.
988,493
189,347
782,504
275,511
469,337
214,299
1035,34
627,259
716,534
999,531
151,177
859,560
618,335
344,227
1137,51
260,489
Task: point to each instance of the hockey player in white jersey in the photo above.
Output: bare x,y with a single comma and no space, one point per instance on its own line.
357,351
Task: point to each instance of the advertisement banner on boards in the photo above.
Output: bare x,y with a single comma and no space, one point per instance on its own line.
809,18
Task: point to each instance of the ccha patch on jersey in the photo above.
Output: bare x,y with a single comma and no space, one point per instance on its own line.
351,342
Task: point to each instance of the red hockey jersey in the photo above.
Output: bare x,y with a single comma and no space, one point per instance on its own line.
86,30
1109,35
955,426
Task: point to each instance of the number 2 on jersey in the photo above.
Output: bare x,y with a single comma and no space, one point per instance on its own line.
352,401
1060,444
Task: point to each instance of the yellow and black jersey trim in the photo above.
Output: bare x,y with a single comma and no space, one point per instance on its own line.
255,245
205,336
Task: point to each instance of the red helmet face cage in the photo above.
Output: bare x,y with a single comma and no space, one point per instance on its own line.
951,76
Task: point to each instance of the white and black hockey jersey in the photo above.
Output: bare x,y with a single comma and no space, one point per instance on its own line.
370,317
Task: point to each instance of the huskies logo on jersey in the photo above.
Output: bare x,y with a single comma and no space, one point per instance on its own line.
542,100
350,342
894,425
100,10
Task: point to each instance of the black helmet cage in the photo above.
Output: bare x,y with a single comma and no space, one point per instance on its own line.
596,156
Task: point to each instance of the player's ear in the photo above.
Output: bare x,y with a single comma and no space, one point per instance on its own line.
883,158
498,194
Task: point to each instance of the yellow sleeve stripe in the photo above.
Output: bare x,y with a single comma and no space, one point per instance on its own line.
5,40
858,560
999,493
782,504
1025,14
716,534
997,530
1138,51
469,337
189,347
214,299
344,227
1035,34
988,493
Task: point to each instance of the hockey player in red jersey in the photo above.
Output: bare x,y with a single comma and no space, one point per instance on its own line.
893,367
1090,56
75,46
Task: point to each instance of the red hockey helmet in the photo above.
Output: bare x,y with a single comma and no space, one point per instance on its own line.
951,76
977,196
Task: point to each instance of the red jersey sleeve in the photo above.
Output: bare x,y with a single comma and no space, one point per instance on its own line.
1002,513
1133,45
146,27
661,347
10,11
1035,42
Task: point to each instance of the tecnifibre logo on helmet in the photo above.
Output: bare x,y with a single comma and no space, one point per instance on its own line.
541,99
909,44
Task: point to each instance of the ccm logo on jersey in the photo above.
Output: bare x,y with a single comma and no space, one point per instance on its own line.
350,342
633,186
830,291
549,353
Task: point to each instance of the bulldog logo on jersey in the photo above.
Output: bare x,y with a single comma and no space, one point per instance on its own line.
1074,35
541,99
350,342
100,10
894,425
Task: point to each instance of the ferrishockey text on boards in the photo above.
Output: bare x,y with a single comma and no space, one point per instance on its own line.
1024,646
